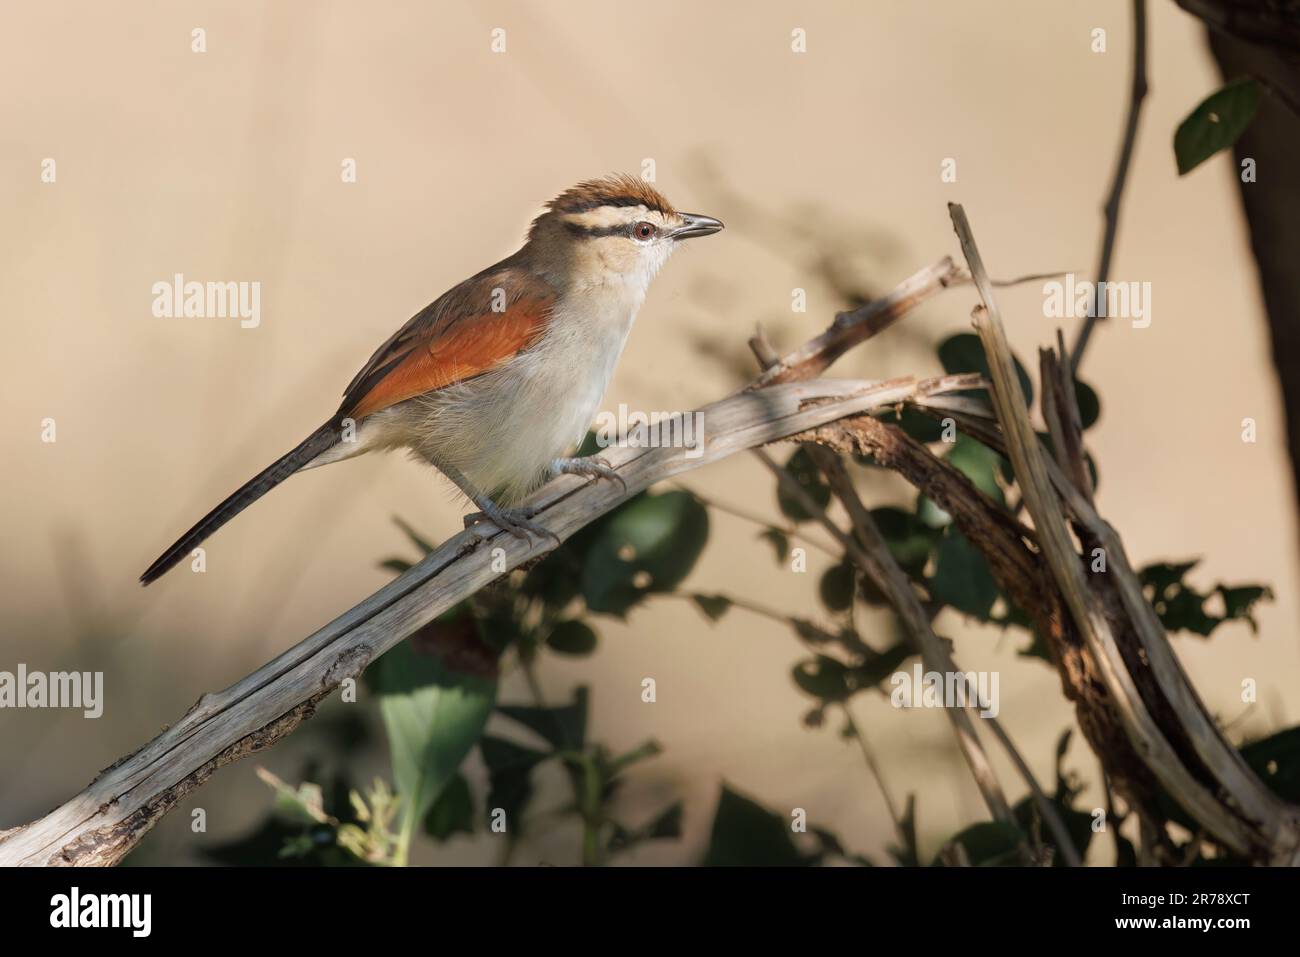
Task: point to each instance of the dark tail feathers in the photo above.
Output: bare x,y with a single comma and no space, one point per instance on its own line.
316,443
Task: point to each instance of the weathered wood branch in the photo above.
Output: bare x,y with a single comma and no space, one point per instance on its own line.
870,552
1166,723
103,822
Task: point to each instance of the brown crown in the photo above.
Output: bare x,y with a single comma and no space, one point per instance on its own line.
620,189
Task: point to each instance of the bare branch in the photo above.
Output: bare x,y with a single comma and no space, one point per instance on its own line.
851,328
1137,93
874,558
1254,820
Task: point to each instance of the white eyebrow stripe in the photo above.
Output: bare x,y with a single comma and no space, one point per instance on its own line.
603,217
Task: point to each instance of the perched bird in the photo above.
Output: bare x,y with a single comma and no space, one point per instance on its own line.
497,378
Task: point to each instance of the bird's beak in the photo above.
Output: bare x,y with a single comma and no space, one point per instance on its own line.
694,225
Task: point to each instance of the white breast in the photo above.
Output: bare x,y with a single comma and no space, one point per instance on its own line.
502,429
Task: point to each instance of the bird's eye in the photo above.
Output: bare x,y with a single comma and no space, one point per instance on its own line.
644,231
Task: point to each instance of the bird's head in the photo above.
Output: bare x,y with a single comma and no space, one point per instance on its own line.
613,229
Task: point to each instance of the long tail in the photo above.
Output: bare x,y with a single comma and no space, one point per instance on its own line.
316,443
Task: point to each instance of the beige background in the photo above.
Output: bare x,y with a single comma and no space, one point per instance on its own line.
225,166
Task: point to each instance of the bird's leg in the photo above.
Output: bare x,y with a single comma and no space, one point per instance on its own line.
514,521
592,466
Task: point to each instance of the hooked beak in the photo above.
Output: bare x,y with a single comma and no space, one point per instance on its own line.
694,225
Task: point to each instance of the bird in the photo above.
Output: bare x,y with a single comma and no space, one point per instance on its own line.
500,376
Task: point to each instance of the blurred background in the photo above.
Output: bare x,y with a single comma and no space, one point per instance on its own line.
226,165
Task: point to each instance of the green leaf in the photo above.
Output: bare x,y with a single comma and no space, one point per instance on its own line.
501,754
745,834
964,353
962,578
590,445
910,540
1037,648
989,844
499,622
266,846
649,545
1078,825
801,467
453,811
565,727
832,846
930,514
1276,759
510,769
572,637
433,717
713,606
396,565
557,579
667,825
980,464
1089,404
1216,123
304,805
924,428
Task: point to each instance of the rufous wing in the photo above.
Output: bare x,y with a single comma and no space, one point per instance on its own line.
469,330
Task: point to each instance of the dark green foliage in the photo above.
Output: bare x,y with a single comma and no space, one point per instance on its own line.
746,834
963,353
453,812
962,578
1217,122
1078,823
648,546
572,637
286,839
988,844
1182,608
1276,759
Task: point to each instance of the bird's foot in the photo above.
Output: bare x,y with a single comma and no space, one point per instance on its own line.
592,466
513,521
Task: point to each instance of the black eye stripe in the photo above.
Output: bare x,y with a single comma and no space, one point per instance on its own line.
593,232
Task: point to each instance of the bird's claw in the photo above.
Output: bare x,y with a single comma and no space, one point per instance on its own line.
513,521
592,466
